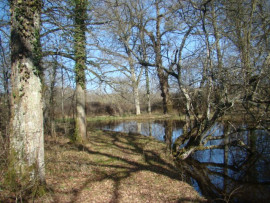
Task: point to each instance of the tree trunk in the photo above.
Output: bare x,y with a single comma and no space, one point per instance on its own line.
135,90
26,137
52,102
80,114
62,94
164,87
168,133
209,71
80,59
217,39
163,77
144,54
137,100
148,90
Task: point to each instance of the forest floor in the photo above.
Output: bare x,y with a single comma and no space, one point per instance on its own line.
113,167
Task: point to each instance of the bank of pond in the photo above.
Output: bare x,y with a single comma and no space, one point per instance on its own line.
233,166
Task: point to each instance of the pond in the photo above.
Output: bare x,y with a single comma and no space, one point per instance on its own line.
232,173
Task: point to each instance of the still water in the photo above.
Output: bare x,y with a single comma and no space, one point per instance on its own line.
229,173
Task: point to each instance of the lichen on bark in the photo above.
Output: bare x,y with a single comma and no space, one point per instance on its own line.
26,134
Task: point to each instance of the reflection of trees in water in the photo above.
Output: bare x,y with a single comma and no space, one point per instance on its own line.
139,127
146,128
233,163
232,166
168,124
214,183
210,138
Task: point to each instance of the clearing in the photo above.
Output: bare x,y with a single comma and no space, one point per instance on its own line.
114,167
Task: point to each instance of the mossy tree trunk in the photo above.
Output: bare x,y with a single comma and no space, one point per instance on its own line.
80,66
26,135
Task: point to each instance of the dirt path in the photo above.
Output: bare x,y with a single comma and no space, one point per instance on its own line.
114,167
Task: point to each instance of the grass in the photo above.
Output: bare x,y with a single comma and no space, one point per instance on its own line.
144,116
134,117
113,167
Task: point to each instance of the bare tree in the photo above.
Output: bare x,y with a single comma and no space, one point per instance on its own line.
155,39
248,34
163,76
4,69
57,57
225,83
119,57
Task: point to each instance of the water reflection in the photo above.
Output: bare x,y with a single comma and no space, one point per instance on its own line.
237,170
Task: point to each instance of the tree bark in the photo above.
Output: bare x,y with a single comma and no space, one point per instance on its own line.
135,90
26,136
137,100
52,102
80,130
208,69
80,66
148,90
146,68
163,77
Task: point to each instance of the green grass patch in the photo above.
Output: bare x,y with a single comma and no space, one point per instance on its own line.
134,117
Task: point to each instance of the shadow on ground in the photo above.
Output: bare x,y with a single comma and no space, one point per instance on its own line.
115,167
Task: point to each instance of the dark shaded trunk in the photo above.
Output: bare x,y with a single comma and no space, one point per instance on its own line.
168,133
162,75
164,87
